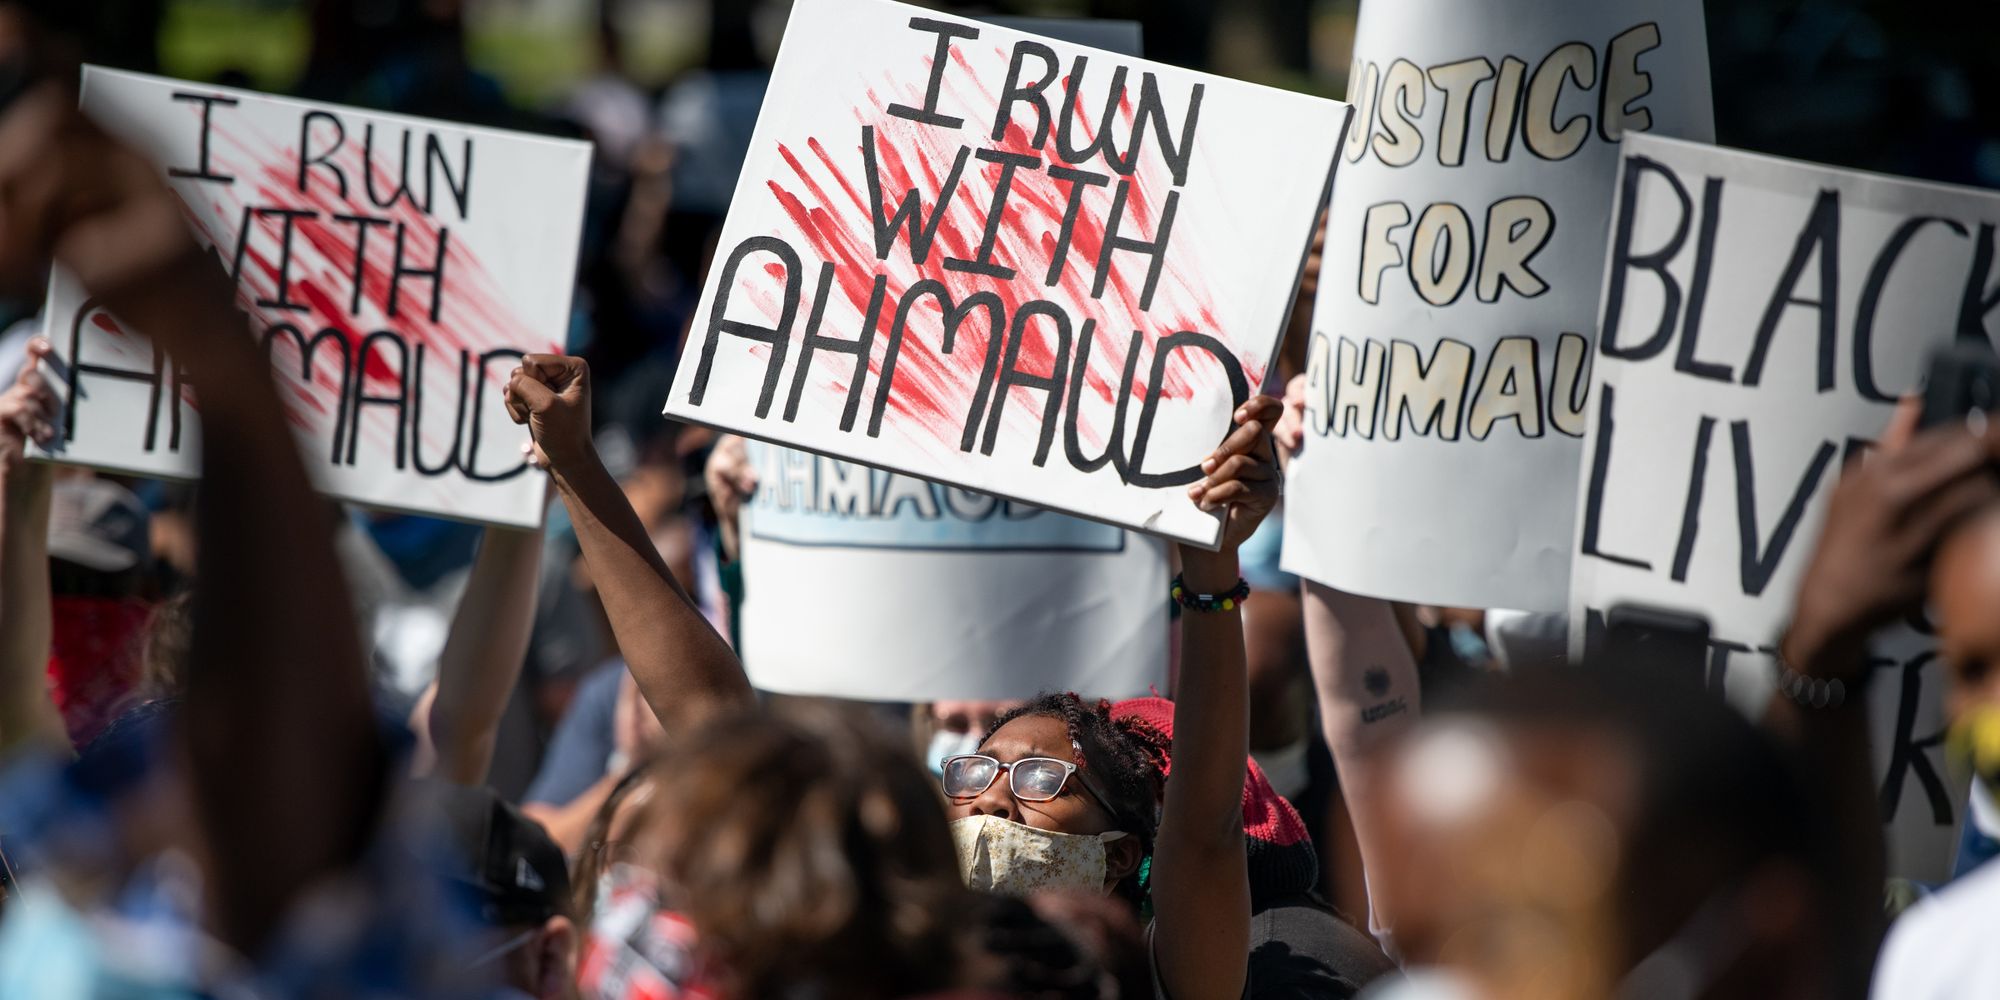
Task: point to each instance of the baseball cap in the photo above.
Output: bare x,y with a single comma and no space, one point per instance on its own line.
516,872
98,524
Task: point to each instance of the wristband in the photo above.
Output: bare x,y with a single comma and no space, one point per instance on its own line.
1809,692
1225,601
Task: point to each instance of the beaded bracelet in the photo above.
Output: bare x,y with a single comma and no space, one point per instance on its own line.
1225,601
1807,691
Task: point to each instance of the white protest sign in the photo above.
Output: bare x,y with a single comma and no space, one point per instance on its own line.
1761,316
1005,262
1452,332
858,583
394,268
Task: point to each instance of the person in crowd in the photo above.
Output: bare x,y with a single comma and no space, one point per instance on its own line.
1518,784
481,662
793,854
27,413
1935,949
1062,795
282,770
614,837
1601,831
606,731
517,880
77,562
941,730
1299,947
1192,855
1911,525
247,834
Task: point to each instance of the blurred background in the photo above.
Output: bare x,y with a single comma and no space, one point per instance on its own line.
669,90
1896,86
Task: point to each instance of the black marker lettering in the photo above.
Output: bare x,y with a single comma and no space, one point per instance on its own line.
928,114
204,170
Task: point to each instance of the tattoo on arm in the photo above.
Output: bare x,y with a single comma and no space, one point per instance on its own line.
1377,683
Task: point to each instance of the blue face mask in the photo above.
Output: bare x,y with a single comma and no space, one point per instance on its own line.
945,743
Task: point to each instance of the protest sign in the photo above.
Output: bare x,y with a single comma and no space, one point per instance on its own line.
1760,319
1005,262
1452,333
393,268
860,583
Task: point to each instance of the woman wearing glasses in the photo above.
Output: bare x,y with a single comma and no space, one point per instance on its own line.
1062,796
1059,795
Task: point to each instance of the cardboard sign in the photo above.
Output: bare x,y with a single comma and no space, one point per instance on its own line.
1451,340
394,269
860,583
1761,317
1005,262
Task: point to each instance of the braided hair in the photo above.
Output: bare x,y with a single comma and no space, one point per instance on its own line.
1125,759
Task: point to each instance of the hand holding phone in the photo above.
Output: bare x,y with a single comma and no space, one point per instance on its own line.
1964,384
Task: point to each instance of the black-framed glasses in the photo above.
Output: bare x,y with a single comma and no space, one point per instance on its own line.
1032,779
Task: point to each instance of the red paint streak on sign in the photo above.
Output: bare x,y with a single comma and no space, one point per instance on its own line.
345,279
934,390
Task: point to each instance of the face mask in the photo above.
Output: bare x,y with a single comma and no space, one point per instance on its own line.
637,948
945,743
1426,984
1972,745
1014,859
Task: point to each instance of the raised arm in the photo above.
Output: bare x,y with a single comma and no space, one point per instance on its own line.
483,654
1886,519
1365,678
27,413
278,729
1201,882
684,669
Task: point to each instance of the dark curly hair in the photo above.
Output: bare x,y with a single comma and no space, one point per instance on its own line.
1125,759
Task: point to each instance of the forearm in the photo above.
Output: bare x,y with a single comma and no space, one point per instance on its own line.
484,653
1834,743
685,671
276,710
1200,867
26,611
1365,679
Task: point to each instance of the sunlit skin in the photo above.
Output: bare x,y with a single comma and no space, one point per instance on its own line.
1071,811
1965,606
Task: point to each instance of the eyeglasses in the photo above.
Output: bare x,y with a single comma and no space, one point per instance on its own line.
1032,779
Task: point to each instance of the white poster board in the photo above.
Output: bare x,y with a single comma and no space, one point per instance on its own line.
1451,338
1005,262
1761,316
395,268
859,583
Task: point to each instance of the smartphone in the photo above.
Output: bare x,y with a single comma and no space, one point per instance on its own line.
1664,641
1964,380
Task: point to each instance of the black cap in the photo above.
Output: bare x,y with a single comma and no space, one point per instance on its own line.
517,873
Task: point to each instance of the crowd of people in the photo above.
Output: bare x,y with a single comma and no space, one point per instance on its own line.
257,745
